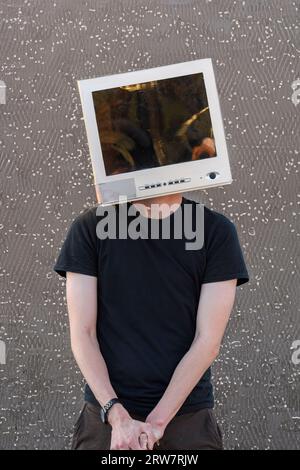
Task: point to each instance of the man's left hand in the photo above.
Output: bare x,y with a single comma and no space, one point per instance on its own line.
157,431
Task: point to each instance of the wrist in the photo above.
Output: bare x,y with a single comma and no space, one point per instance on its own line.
117,414
157,421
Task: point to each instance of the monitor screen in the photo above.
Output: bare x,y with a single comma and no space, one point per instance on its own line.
152,124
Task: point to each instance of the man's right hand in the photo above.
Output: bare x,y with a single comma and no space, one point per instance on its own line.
126,431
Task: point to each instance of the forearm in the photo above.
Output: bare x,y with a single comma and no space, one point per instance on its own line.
82,308
185,377
125,430
88,356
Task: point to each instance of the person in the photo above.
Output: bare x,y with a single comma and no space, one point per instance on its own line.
147,317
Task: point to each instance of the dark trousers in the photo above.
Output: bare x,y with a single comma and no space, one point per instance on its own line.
198,430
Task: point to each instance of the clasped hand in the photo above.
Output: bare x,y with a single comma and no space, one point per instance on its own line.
131,434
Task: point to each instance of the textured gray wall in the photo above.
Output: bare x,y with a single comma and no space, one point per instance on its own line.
46,180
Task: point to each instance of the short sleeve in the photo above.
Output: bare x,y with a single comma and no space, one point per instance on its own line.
224,256
79,250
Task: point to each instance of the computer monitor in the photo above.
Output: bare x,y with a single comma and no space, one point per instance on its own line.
155,131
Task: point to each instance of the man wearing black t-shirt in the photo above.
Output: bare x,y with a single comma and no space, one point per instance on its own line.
147,317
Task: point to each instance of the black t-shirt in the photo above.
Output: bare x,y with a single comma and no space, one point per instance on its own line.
148,295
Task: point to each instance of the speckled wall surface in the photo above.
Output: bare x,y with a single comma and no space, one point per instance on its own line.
46,180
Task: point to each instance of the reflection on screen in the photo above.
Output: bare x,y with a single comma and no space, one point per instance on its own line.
153,124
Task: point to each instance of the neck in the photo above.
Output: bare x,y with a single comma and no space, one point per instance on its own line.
159,206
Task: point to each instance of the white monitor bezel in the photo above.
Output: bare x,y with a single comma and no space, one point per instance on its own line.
186,170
